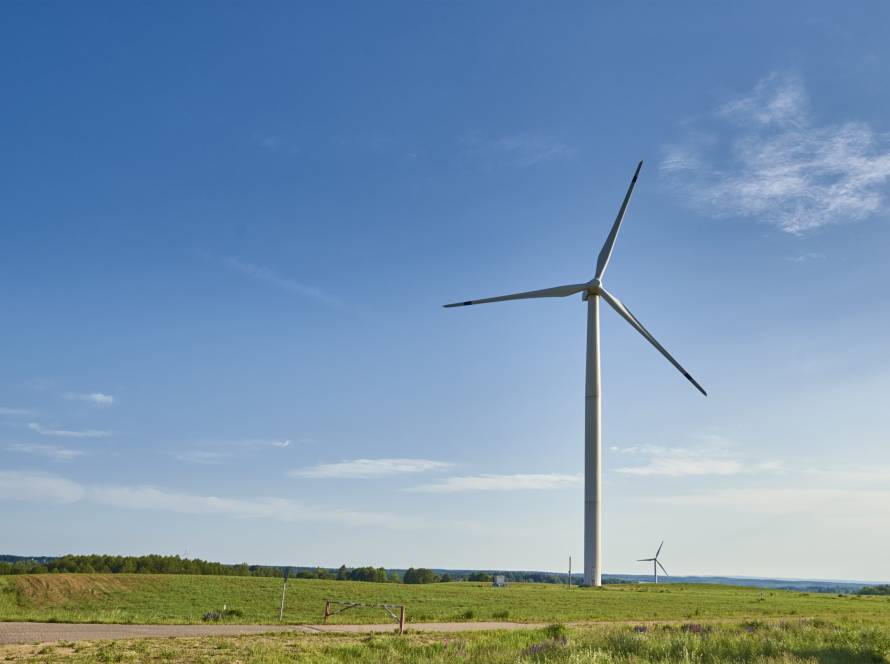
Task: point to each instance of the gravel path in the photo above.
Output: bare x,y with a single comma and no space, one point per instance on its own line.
33,632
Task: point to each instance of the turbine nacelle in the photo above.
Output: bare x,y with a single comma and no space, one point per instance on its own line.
592,287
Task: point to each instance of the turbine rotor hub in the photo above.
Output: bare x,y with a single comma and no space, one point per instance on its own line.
593,288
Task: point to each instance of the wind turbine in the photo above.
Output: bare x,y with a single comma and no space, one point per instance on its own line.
656,563
591,292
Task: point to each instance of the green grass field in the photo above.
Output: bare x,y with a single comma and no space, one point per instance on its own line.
184,599
786,642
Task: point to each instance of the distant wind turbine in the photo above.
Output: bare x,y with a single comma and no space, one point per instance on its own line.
656,563
591,292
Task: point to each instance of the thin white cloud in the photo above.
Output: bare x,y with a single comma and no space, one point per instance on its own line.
827,503
681,467
255,443
95,398
715,457
271,142
39,488
16,412
806,257
369,468
277,509
217,452
45,488
779,99
53,452
488,482
521,149
267,276
646,449
66,433
205,457
857,476
780,165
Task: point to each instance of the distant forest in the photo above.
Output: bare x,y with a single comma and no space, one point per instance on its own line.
155,564
151,564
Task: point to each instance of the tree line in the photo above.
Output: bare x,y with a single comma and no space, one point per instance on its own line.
150,564
381,575
157,564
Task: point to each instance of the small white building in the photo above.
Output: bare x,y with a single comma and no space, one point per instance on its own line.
499,581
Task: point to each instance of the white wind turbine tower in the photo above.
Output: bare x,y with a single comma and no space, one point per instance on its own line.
656,563
591,292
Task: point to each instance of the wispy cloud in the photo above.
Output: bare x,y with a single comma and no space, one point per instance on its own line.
37,487
806,257
520,149
266,275
839,503
690,465
65,433
277,509
205,457
369,468
16,412
217,452
95,398
260,443
858,477
487,482
836,494
777,100
53,452
275,143
781,166
713,458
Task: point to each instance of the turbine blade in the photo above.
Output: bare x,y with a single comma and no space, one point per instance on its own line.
662,568
645,560
558,291
659,548
624,312
602,260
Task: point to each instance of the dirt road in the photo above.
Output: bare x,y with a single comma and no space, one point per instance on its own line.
31,632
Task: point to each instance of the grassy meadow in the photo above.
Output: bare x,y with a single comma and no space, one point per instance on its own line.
158,598
786,642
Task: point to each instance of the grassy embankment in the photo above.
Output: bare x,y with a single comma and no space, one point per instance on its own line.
183,599
790,642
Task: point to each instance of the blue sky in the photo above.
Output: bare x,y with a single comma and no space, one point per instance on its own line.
227,231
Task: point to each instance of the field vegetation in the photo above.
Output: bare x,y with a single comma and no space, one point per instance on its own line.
158,598
786,642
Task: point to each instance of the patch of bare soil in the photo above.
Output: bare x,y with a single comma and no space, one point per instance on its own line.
56,589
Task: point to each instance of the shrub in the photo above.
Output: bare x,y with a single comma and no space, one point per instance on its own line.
419,575
556,631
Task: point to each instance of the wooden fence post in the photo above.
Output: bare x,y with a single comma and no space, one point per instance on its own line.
402,620
327,606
